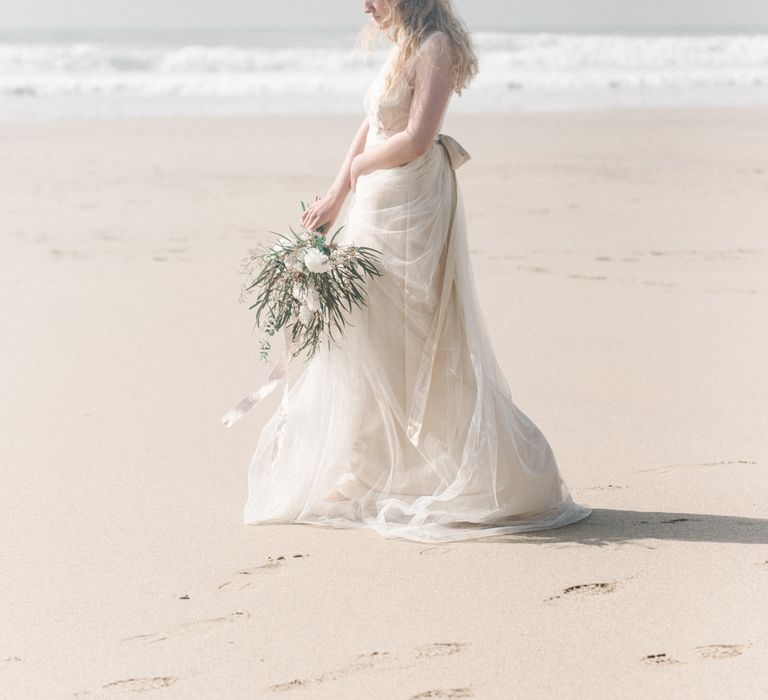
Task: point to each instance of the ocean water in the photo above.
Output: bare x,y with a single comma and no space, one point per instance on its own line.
107,73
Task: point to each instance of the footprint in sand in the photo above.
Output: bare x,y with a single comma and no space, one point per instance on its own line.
202,625
661,659
709,651
141,684
74,254
533,268
210,623
144,638
440,649
166,254
587,589
376,661
587,277
664,469
676,520
234,585
270,566
720,651
656,283
735,290
444,693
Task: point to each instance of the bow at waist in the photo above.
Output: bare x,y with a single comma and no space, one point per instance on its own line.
457,154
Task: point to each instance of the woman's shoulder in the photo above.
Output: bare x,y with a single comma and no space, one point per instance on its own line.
437,49
434,51
436,41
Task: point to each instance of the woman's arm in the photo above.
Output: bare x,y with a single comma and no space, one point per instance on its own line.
433,83
324,211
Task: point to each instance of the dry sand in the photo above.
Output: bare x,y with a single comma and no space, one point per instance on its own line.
621,260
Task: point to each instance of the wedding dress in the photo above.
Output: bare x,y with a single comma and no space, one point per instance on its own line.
407,425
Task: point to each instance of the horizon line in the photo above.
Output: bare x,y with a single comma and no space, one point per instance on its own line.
521,29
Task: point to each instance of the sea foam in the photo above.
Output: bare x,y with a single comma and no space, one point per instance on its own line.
262,73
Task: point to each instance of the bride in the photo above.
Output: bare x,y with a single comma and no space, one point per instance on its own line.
407,426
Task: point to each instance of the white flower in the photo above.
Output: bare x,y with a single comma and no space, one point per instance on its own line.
316,261
313,300
305,314
298,292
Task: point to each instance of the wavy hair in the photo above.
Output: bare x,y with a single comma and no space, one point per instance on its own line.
412,22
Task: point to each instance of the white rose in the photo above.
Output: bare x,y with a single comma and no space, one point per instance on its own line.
305,314
313,300
316,261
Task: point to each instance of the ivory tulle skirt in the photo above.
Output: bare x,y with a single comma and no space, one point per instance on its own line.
407,426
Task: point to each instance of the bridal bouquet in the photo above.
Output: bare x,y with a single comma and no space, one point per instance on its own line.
307,283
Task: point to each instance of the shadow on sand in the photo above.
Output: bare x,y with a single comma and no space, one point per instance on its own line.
608,526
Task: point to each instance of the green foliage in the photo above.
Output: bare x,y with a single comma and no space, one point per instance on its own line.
276,274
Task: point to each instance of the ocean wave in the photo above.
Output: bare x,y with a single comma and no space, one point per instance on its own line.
87,58
509,62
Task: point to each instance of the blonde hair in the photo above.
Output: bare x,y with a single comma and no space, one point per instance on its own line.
412,22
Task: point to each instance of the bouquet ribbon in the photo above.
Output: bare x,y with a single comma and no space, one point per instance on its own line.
278,373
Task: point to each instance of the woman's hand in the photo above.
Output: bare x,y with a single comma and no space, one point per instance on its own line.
322,213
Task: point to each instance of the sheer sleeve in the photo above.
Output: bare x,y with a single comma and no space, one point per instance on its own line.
434,79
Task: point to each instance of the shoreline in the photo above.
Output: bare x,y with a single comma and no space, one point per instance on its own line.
347,115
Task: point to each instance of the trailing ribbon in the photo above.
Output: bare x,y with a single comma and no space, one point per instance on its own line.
457,156
278,373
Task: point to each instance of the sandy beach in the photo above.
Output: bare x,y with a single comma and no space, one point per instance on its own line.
621,259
